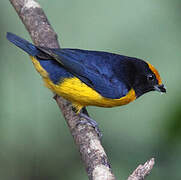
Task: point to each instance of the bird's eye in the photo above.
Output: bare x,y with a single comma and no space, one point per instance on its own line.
150,77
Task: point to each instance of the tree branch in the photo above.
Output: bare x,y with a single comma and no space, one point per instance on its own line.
142,170
85,137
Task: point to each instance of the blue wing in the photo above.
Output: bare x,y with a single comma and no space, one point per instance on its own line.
96,69
99,70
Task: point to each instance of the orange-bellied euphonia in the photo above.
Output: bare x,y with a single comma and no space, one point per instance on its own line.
92,77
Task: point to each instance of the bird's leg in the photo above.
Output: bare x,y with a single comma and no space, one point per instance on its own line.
90,121
55,96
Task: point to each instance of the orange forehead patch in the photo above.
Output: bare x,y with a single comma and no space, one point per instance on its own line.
156,73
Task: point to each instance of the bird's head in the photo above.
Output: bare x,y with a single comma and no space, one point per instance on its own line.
144,77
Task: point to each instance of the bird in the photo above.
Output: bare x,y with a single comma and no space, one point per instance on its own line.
91,78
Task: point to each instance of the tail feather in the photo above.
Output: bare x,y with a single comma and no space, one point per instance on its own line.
23,44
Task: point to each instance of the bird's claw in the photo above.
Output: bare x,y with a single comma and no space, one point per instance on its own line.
90,122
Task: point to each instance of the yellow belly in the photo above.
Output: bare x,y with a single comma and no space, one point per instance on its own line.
79,93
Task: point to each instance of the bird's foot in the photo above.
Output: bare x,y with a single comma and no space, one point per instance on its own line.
55,96
90,122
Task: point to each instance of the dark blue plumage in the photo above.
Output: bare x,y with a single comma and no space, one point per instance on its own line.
55,70
23,44
96,69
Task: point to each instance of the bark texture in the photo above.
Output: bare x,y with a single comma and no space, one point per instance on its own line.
142,170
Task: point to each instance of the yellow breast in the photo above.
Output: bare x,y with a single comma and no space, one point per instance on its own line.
79,93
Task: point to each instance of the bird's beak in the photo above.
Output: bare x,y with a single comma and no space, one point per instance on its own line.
160,88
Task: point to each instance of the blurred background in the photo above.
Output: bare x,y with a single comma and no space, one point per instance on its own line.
35,143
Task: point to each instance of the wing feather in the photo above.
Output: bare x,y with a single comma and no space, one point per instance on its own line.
94,68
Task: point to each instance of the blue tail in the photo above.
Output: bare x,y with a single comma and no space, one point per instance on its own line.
23,44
